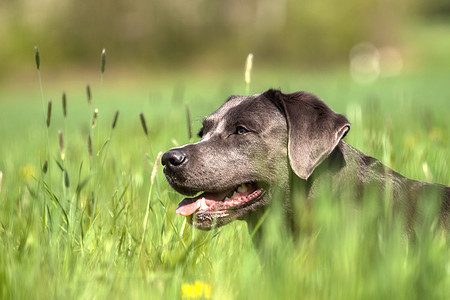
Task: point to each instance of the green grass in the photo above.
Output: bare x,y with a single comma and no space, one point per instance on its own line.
88,240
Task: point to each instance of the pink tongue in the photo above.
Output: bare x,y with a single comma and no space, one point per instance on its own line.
190,205
188,208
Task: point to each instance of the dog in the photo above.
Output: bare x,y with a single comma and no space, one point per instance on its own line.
255,145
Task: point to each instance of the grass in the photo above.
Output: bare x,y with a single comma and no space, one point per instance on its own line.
104,226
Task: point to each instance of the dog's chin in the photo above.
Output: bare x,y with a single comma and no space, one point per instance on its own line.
215,209
186,191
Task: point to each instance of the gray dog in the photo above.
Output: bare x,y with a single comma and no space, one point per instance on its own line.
254,145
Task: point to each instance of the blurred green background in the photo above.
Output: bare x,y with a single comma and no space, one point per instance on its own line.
175,35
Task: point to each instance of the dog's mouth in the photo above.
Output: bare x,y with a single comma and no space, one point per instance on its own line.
215,209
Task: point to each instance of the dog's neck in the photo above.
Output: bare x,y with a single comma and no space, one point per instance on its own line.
296,198
301,192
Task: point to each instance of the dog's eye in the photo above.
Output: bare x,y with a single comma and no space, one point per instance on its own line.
241,130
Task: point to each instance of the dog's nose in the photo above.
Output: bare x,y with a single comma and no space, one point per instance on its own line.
174,158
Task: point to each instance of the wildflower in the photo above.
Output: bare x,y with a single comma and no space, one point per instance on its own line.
27,172
196,290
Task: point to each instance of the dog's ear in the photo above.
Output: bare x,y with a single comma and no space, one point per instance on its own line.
314,129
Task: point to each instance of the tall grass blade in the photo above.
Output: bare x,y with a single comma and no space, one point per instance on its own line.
152,180
57,202
60,166
103,146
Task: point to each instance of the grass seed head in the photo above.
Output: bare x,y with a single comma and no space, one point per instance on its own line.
116,116
89,94
37,57
49,112
94,118
90,145
61,144
45,167
66,179
103,60
64,104
143,123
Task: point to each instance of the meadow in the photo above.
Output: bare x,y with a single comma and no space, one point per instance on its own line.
99,222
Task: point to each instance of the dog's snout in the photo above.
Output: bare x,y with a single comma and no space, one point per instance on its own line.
174,158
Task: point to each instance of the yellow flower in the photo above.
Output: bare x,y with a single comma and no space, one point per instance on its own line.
196,290
27,172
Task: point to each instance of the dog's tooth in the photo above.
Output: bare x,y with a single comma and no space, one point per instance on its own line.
235,194
203,204
226,199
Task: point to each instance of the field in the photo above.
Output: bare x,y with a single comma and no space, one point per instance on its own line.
103,225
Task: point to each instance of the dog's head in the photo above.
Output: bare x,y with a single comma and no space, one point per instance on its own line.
246,149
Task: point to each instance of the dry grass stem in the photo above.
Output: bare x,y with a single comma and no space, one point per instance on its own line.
1,180
94,118
155,167
103,60
37,57
49,112
116,116
64,104
144,125
248,70
188,121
